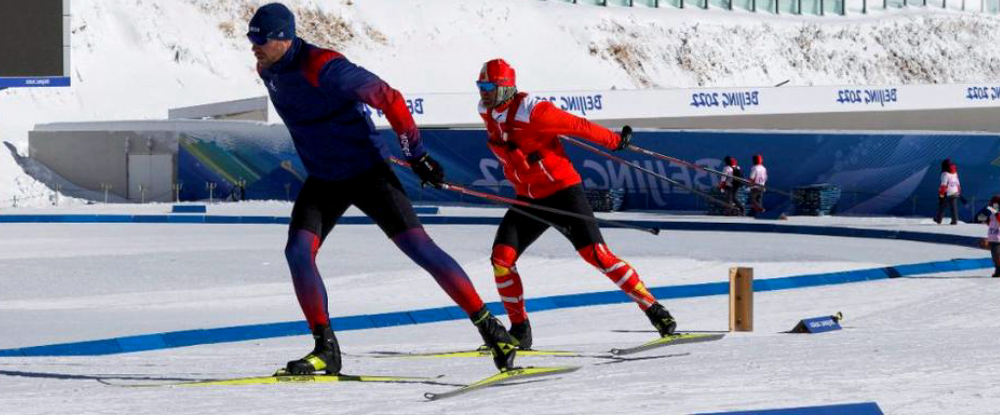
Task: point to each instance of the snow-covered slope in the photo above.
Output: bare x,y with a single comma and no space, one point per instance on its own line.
135,59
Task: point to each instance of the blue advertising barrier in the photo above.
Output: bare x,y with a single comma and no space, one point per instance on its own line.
431,315
429,217
189,209
893,173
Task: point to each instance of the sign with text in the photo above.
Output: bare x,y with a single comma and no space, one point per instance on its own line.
461,109
818,324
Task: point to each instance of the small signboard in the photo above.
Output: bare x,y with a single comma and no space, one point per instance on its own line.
819,324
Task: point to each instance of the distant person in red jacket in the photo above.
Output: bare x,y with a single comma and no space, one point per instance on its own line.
949,191
524,135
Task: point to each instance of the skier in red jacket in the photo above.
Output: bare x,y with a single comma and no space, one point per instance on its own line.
524,135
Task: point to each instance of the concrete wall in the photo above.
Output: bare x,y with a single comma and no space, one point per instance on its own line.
249,109
91,153
90,158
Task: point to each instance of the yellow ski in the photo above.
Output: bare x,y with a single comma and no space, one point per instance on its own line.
482,351
679,338
283,378
504,377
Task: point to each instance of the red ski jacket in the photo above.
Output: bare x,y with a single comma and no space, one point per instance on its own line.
524,135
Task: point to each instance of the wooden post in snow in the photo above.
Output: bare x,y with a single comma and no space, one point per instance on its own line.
740,299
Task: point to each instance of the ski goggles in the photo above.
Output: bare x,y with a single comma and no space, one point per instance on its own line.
260,39
486,86
257,38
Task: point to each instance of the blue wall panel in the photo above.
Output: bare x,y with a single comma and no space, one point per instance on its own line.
879,173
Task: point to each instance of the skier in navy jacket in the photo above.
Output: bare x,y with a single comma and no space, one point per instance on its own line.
320,95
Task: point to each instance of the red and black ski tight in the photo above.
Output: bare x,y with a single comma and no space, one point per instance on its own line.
517,231
620,273
508,282
379,195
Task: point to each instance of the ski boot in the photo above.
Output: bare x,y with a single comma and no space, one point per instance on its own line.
661,319
325,357
496,338
521,332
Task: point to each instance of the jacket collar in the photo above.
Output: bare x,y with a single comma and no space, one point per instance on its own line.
288,59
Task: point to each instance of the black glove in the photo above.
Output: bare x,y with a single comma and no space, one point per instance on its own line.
626,135
429,171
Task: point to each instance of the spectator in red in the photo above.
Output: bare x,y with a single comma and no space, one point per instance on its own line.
758,176
949,191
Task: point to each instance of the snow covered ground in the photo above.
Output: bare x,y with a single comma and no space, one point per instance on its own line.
921,345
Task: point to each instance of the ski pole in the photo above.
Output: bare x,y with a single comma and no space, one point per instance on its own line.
654,154
516,202
596,150
562,229
507,200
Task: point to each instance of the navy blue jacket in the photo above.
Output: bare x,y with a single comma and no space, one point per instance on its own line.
320,96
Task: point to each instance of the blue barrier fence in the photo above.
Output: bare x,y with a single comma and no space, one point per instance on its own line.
432,315
180,218
429,217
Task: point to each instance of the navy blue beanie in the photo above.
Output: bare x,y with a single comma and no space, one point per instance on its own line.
272,21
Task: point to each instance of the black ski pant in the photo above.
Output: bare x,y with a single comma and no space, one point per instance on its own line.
521,226
951,201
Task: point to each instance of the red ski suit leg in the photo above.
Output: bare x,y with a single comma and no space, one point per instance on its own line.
620,272
508,282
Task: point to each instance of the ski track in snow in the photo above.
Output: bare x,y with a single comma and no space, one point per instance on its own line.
921,345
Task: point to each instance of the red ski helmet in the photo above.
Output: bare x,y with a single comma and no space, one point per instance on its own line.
758,159
496,83
729,161
497,72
